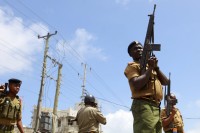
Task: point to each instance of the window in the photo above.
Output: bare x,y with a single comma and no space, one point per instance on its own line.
59,123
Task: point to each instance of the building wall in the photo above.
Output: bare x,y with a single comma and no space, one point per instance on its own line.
26,130
63,118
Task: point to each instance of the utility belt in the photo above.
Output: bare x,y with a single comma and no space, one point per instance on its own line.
6,127
91,132
149,99
171,131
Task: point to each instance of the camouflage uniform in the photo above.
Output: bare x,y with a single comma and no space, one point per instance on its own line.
88,119
10,112
178,121
146,101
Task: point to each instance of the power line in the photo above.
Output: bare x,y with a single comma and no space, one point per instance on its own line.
78,55
23,13
15,50
35,14
113,103
197,118
106,86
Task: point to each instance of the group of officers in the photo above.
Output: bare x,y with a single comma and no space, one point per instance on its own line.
147,94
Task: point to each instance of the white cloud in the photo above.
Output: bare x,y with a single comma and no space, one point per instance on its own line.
195,129
123,2
119,122
18,43
82,45
197,103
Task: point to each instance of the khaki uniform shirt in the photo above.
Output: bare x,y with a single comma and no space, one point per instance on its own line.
5,121
153,88
88,119
178,121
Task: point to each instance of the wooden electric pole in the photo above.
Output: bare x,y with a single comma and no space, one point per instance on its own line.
83,86
42,80
54,116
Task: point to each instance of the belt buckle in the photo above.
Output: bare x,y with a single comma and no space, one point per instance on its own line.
152,100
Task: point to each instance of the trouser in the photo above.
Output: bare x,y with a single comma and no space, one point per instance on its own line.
172,131
146,117
6,128
90,132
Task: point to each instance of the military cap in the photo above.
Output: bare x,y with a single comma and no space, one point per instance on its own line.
13,80
132,44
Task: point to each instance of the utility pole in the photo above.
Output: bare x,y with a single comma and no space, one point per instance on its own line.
83,86
42,80
54,120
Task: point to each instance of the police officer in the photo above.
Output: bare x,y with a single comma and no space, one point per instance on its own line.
146,90
175,118
10,107
89,117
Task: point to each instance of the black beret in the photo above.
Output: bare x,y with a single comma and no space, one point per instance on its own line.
13,80
132,44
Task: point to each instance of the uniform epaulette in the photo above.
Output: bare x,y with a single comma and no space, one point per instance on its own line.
130,63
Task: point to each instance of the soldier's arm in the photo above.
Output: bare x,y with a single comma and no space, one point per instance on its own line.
161,76
100,117
140,81
168,120
163,79
20,126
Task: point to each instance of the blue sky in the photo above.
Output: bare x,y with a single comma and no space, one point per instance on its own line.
97,33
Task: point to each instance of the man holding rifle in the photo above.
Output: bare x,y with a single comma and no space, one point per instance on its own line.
10,107
146,89
174,122
145,80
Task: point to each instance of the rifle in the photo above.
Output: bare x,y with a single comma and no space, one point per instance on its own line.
6,86
169,102
149,45
5,90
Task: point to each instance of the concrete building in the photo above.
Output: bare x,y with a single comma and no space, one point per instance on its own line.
64,119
